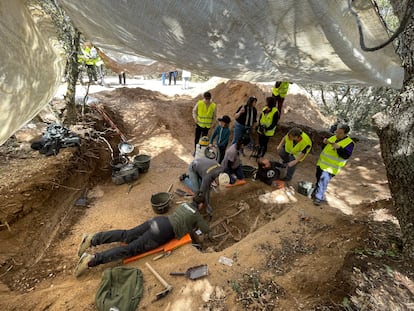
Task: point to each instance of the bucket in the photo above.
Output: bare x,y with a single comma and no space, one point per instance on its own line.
305,187
118,163
161,202
142,162
248,171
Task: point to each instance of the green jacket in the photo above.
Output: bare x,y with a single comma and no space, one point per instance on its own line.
186,218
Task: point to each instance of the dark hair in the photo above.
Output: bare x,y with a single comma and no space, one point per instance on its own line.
199,197
243,140
345,127
207,95
251,100
295,131
270,102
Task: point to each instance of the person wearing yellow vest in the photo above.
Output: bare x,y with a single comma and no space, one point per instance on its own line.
332,159
92,61
267,125
279,92
204,115
293,149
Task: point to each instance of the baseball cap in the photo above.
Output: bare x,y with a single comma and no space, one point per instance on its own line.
225,119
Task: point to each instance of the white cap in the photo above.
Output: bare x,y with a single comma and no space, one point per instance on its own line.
224,179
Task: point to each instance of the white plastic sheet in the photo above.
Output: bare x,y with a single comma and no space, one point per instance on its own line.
261,40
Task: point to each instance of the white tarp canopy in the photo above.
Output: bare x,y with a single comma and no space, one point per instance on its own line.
260,40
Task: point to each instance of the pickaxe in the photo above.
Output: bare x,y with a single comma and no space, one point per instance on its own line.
168,287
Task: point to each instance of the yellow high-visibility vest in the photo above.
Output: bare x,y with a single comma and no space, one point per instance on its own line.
296,150
266,120
329,160
204,115
281,90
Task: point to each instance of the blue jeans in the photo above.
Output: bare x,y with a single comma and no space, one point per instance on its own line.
286,158
322,181
236,171
239,131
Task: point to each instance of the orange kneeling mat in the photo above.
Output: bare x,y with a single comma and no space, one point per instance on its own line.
167,247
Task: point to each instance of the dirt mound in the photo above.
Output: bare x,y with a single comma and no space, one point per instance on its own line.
287,255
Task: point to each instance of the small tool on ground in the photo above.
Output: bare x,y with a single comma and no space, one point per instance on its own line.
83,199
182,193
168,287
194,273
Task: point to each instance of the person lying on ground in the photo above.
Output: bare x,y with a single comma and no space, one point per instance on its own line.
145,237
268,171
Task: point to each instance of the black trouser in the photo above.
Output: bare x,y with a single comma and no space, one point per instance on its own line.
199,132
91,71
172,74
145,237
263,141
121,77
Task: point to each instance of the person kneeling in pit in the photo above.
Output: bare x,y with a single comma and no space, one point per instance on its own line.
232,163
145,237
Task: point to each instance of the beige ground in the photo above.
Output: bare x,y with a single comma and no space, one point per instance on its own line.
289,256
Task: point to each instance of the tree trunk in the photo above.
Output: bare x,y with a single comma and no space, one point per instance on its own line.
395,129
72,78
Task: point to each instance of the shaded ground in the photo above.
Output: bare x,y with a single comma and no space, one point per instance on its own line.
286,256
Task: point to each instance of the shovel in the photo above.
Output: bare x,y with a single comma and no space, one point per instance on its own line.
83,199
194,273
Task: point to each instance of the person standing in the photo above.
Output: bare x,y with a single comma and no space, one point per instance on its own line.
332,159
145,237
222,135
279,92
172,75
293,149
204,114
267,125
246,118
186,75
92,61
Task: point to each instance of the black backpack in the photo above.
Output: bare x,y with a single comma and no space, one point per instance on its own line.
121,289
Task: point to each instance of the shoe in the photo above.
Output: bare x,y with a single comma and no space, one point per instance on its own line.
83,264
317,202
85,243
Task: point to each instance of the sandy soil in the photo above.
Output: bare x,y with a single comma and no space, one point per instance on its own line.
288,255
